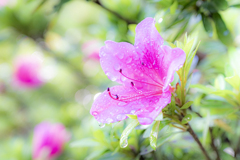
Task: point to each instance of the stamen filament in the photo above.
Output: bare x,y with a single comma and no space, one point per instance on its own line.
138,80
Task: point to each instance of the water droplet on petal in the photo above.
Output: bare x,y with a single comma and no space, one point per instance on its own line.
101,125
124,144
129,60
121,117
122,103
109,120
117,67
120,55
102,54
94,113
123,78
111,77
132,111
145,120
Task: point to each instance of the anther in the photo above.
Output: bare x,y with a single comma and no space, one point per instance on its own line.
108,89
142,63
132,84
120,70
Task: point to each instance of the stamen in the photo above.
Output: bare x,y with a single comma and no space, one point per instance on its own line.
138,80
135,96
116,96
132,84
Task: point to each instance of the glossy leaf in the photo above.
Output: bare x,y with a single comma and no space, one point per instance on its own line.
207,23
160,142
186,118
234,81
187,105
220,4
126,132
154,135
223,33
132,116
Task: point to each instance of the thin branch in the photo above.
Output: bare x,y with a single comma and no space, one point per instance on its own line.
198,142
236,151
115,13
211,135
212,143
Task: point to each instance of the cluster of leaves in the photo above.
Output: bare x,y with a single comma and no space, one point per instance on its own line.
209,11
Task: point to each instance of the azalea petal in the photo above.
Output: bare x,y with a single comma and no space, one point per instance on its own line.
108,110
148,114
173,61
147,37
115,56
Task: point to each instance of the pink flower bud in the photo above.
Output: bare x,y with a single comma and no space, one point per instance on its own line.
27,71
48,140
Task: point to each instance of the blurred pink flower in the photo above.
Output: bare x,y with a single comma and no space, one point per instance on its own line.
27,71
91,49
48,140
145,71
3,3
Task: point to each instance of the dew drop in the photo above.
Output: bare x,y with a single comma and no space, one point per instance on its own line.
120,55
129,60
132,111
122,103
145,120
121,117
102,54
109,120
94,113
117,67
123,78
101,125
111,77
124,144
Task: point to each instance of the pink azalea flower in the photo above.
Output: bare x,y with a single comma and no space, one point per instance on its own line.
91,49
3,3
48,140
144,71
27,71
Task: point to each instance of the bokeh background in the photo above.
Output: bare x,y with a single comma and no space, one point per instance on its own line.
67,35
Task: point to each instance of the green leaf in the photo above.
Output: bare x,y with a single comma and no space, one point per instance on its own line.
187,105
126,132
154,135
173,7
147,132
132,28
163,124
219,82
165,3
87,142
223,33
186,119
132,116
220,4
178,92
160,142
207,23
234,81
203,88
235,5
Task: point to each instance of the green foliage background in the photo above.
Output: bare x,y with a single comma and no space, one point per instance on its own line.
59,28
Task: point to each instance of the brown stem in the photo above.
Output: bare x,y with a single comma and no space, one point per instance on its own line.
115,13
237,149
212,143
211,135
198,142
